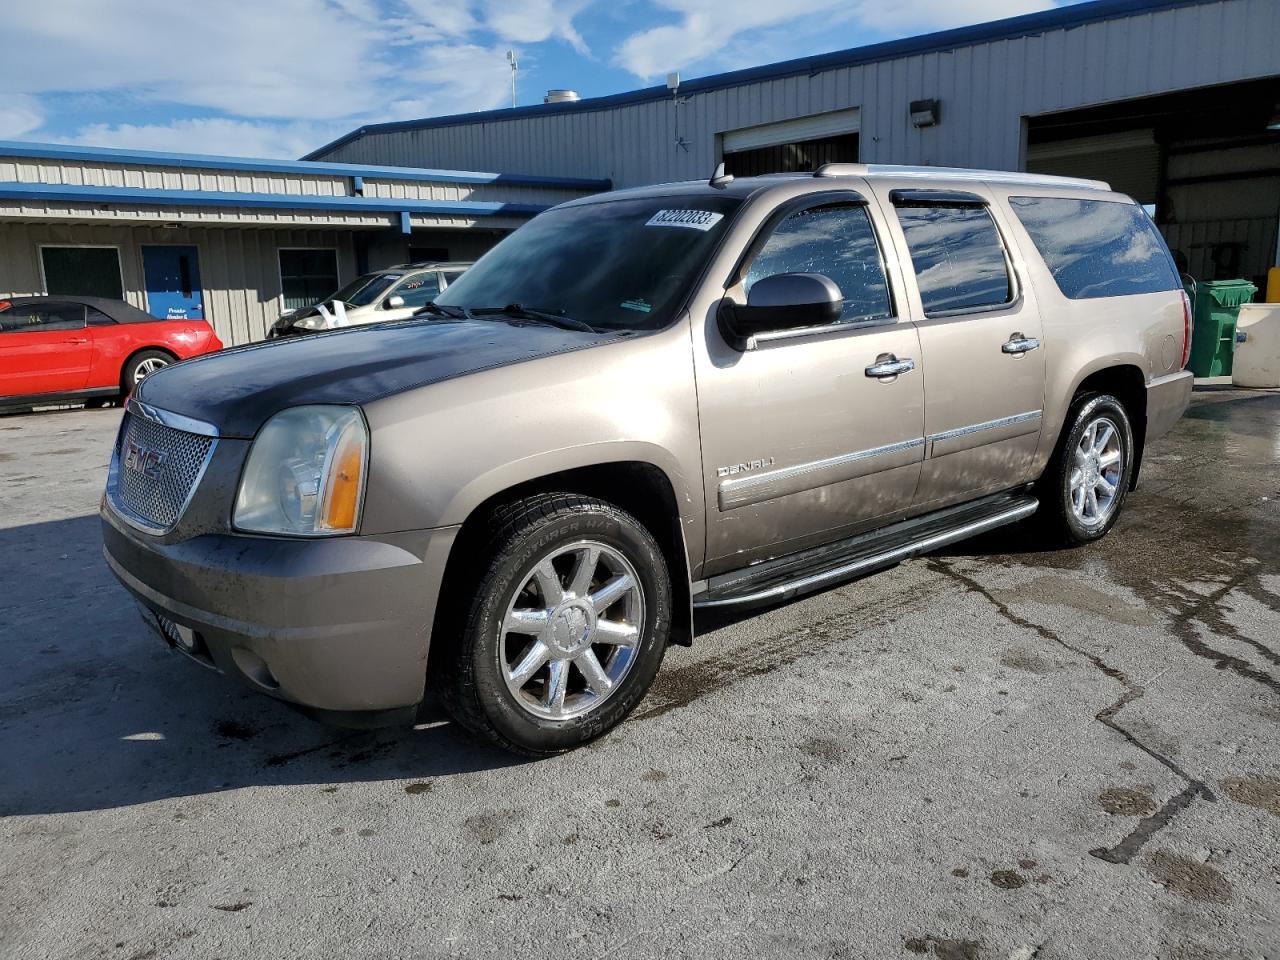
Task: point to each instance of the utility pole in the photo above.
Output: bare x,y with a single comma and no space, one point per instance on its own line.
511,59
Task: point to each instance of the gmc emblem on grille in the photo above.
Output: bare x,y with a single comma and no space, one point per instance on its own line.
144,460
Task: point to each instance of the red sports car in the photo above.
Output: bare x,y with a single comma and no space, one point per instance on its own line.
84,348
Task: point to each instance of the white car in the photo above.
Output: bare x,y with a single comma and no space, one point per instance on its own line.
391,294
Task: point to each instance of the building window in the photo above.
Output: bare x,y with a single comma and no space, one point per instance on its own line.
307,276
428,254
958,258
82,272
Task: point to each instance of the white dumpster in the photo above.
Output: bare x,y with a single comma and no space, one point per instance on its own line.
1257,354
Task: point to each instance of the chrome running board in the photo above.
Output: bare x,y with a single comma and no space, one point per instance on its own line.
788,576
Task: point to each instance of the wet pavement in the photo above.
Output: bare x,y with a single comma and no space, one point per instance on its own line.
993,752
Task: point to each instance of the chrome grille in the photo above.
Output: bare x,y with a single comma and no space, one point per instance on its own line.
156,469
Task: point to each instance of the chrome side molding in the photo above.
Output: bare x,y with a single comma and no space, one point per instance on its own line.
742,491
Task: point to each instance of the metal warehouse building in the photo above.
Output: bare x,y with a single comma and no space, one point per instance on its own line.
238,241
1176,102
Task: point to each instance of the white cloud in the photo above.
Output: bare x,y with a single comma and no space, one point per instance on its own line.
287,58
214,135
19,113
277,77
704,33
455,78
532,21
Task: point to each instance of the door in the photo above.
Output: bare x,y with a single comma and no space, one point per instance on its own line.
44,348
980,333
172,274
805,439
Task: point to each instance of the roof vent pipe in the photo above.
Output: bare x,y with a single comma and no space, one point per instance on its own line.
561,96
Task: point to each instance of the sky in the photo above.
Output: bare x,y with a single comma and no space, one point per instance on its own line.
278,78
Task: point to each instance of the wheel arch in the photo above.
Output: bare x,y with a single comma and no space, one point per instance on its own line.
136,351
1127,383
640,487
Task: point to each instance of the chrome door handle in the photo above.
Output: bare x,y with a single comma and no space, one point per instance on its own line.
887,365
1017,344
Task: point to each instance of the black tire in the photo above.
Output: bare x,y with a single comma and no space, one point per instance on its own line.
135,368
1059,521
466,663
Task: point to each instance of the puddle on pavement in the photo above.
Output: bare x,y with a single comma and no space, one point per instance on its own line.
1188,878
1255,791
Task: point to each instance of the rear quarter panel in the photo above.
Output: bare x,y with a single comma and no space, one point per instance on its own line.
113,344
1082,337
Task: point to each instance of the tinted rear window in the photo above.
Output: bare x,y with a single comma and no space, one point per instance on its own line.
1098,248
958,258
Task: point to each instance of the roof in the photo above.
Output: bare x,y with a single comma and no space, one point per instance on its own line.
833,173
78,193
1012,28
59,151
427,265
117,310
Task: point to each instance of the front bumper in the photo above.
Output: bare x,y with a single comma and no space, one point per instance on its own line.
1167,400
340,626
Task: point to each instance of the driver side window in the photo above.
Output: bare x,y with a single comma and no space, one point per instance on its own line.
419,290
838,242
42,317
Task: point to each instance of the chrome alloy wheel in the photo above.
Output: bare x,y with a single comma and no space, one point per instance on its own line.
1097,471
149,365
572,631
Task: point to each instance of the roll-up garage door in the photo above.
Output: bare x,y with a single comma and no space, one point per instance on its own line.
1129,161
803,143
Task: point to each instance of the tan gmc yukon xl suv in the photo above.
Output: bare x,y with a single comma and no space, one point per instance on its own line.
641,403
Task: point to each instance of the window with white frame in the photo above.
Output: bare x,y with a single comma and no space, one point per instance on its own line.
82,272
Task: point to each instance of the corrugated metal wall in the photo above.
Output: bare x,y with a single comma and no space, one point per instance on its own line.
154,176
239,268
985,91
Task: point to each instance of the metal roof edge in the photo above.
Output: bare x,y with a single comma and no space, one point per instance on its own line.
75,193
59,151
1010,28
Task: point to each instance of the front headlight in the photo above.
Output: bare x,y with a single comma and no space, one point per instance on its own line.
305,474
317,322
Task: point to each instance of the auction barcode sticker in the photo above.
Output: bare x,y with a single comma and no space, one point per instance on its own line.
693,219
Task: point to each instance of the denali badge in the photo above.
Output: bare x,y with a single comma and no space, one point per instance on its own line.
144,460
733,468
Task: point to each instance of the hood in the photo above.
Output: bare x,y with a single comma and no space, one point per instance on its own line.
238,390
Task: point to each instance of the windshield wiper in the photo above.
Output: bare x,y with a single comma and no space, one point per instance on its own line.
520,312
444,310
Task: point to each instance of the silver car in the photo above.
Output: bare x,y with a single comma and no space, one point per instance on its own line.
695,395
395,293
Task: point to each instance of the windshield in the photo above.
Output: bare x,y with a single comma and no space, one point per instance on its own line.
616,265
349,291
371,291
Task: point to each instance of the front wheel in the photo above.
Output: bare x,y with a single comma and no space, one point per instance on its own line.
566,631
1084,487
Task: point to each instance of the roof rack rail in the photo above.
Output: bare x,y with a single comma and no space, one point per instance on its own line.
842,170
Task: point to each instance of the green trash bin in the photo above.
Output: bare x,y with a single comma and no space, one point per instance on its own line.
1213,339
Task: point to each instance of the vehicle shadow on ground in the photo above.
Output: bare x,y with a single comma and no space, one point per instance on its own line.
95,713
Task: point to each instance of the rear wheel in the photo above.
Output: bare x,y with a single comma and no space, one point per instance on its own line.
137,368
566,631
1084,487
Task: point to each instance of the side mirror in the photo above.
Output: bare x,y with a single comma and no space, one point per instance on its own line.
785,301
394,303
